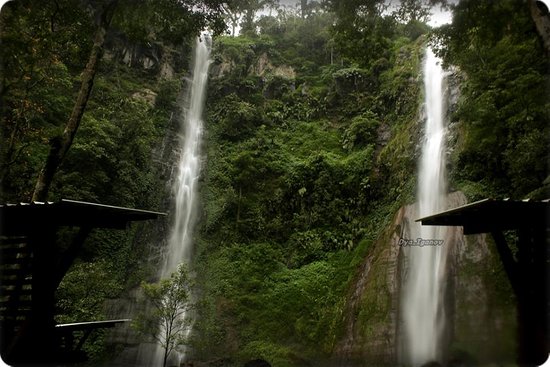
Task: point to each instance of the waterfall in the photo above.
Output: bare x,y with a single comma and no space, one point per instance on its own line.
422,305
184,185
188,166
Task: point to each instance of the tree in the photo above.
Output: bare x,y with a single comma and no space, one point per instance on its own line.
362,31
303,7
413,10
246,10
42,48
417,10
169,21
503,100
59,146
187,17
168,321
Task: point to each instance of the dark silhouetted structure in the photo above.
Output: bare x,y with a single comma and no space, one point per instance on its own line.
527,268
33,264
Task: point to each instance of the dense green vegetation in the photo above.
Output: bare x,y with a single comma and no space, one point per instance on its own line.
298,182
311,144
504,102
306,167
116,157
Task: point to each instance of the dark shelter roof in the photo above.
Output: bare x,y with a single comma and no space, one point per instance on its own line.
20,218
90,325
33,264
491,214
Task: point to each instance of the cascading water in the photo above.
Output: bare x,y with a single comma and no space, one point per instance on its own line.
184,187
185,184
422,305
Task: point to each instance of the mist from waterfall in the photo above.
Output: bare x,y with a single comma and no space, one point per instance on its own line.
422,303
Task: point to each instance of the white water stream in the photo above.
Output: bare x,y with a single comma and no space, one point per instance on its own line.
188,167
180,244
422,305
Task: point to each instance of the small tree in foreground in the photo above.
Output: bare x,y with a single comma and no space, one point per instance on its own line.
167,321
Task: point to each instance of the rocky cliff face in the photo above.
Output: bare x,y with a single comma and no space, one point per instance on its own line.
371,310
261,66
165,61
479,300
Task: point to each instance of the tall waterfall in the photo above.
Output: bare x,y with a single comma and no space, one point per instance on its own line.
422,305
188,167
180,243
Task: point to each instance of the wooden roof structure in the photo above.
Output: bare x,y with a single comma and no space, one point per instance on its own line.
22,217
32,266
76,326
526,264
487,215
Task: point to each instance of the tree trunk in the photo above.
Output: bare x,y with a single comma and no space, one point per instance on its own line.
304,8
542,23
239,207
61,144
165,357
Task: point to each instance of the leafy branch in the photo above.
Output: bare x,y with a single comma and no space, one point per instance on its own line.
168,322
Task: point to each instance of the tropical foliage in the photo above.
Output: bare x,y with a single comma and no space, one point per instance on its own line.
168,322
311,144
